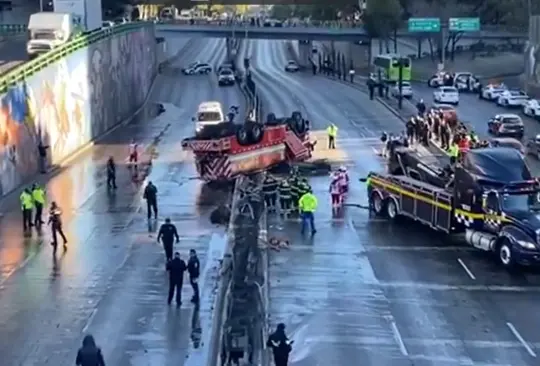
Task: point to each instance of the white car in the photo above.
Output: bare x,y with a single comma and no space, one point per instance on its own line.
532,108
197,68
446,95
492,92
226,77
512,98
406,90
292,66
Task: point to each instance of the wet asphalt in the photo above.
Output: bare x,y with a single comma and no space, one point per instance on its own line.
111,280
378,293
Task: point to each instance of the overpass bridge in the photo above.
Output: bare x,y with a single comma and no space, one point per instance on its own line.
309,33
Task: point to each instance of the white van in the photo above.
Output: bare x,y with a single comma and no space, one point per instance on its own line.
209,120
49,30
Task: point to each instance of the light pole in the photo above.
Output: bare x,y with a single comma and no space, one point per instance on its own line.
401,63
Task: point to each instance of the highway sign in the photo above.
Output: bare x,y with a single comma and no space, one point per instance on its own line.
424,25
464,24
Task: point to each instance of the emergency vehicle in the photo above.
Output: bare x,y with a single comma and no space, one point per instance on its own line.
490,197
250,147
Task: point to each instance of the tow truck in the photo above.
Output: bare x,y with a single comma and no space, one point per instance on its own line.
490,197
250,147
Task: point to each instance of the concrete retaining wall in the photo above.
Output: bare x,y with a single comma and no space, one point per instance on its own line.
532,55
73,101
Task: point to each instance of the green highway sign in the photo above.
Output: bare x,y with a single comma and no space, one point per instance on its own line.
424,25
464,24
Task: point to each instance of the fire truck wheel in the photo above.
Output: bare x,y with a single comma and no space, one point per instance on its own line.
255,132
504,253
391,209
377,204
242,136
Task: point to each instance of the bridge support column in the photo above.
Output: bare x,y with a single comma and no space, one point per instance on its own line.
305,54
229,47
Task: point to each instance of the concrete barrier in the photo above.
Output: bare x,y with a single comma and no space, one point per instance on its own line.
70,96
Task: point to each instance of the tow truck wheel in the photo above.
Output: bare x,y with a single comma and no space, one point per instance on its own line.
391,209
377,204
505,254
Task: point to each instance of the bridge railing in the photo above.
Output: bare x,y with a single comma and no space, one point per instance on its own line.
29,68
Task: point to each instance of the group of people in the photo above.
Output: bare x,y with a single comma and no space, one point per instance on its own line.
33,201
339,187
291,196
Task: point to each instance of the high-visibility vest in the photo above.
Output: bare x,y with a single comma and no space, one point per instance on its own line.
38,195
332,131
308,203
27,202
454,151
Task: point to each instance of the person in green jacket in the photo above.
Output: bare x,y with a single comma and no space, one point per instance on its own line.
38,194
308,204
27,206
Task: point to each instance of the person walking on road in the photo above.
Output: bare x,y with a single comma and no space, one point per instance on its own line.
332,134
281,345
38,195
176,269
352,72
307,205
42,157
194,270
55,220
150,195
111,173
89,354
27,206
167,234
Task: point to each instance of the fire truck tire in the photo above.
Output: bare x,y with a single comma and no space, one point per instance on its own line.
377,204
255,132
391,209
242,135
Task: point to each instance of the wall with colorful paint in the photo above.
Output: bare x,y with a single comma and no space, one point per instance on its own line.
74,100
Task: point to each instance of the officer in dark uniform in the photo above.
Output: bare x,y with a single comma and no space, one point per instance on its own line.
294,182
176,269
89,354
150,195
410,127
421,107
303,187
371,87
111,173
284,191
167,234
194,270
270,187
55,220
281,345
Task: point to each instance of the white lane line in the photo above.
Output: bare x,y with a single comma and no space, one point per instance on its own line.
399,340
520,339
469,272
90,319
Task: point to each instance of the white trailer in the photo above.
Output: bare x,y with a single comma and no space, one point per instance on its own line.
88,12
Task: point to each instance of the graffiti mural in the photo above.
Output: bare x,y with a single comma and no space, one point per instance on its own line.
73,101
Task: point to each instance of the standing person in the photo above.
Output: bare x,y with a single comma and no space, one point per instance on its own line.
150,195
332,134
194,270
111,173
352,72
281,345
42,155
284,190
89,354
133,152
307,205
167,234
335,192
55,220
176,269
27,205
270,187
38,194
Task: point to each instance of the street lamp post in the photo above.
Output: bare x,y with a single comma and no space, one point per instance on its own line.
401,63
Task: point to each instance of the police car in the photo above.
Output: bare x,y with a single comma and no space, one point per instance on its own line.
406,90
512,98
492,92
532,108
226,77
446,95
440,79
291,66
466,81
197,68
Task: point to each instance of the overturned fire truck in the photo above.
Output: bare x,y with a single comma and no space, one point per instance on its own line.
250,147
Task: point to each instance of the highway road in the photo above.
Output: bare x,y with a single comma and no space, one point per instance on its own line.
12,53
379,293
111,280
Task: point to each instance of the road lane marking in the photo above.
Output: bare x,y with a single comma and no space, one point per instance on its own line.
469,272
399,339
521,340
90,319
21,265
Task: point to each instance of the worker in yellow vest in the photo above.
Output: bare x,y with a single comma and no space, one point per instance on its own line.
27,205
307,206
332,134
38,194
453,151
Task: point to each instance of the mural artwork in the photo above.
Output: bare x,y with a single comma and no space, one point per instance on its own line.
70,103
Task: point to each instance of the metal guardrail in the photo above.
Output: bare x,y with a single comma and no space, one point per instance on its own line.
29,68
12,29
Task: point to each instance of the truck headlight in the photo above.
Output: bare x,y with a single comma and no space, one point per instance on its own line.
526,244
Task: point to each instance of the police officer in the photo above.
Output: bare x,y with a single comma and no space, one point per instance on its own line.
38,195
176,269
352,72
194,270
307,205
111,173
55,220
89,354
303,187
270,187
150,195
332,131
281,345
294,183
371,87
421,107
410,127
285,197
167,234
27,205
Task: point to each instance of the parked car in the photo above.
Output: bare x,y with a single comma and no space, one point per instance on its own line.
446,95
292,66
512,98
506,125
